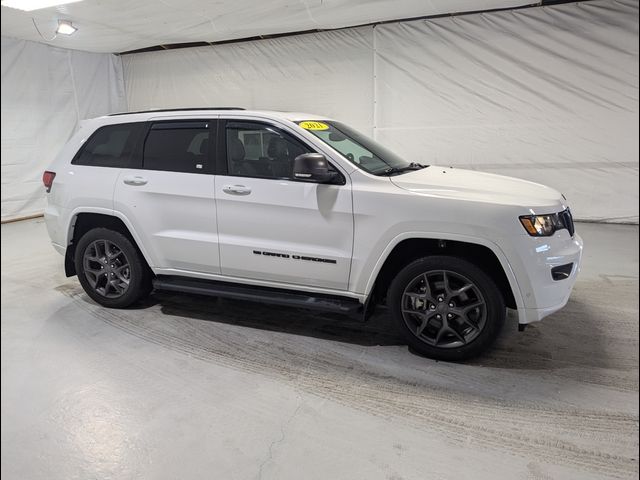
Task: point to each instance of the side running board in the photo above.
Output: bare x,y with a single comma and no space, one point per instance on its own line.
275,296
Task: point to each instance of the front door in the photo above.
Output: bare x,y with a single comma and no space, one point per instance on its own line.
274,228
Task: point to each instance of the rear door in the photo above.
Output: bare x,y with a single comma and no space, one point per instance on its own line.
169,198
272,227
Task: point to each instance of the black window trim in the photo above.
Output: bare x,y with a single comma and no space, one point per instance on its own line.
222,163
209,167
177,125
135,141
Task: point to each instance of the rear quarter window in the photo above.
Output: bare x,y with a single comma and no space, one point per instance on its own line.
110,146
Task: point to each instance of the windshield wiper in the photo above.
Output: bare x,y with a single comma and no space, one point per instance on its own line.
411,166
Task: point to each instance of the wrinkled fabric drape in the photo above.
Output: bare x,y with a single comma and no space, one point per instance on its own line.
46,91
548,94
122,25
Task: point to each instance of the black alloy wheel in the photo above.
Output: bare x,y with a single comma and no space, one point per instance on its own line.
106,268
111,269
446,307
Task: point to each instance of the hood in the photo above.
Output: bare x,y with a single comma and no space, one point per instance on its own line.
448,182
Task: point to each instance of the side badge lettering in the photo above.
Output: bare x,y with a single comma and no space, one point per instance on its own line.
294,257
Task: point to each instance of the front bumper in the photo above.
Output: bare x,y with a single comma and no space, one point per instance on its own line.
541,293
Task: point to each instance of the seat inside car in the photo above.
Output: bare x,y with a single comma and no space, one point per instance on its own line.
280,161
237,163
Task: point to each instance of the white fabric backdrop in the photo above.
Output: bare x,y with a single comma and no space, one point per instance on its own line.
329,73
45,92
548,94
122,25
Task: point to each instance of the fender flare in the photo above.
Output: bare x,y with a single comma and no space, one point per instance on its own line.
111,213
497,251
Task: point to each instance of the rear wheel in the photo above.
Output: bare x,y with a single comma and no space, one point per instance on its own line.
111,269
446,307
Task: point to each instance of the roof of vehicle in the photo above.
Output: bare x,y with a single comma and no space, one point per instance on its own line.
200,111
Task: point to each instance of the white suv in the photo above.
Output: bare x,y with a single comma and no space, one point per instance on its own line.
301,210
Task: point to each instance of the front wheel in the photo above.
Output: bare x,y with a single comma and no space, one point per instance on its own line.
446,307
111,269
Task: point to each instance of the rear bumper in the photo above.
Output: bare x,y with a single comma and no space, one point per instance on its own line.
59,248
52,219
542,294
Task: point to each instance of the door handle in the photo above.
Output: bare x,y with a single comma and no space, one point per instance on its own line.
236,190
135,180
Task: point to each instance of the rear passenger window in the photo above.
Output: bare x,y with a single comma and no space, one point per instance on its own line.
109,146
177,147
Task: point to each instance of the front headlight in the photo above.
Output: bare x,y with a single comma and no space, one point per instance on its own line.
541,225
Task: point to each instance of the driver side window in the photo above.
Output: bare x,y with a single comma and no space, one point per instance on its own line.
261,151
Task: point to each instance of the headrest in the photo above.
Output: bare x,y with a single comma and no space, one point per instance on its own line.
236,149
277,147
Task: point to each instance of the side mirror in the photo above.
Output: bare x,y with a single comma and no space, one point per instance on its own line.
313,167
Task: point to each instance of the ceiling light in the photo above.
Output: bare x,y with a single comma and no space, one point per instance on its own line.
65,27
29,5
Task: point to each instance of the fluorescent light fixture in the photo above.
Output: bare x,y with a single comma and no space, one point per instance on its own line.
65,27
30,5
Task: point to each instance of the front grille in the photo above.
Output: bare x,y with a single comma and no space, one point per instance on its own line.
567,221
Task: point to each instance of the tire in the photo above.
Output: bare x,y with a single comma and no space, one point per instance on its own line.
130,276
446,307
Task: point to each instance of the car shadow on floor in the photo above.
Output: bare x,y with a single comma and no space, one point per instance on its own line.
574,337
577,336
548,345
323,325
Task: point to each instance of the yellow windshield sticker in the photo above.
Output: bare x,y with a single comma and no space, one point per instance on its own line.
314,126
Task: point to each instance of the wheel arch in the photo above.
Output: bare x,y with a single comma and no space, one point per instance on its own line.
83,221
483,253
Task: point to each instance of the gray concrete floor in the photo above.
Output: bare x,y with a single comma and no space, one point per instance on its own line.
191,387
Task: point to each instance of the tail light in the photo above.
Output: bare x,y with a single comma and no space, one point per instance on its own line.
47,179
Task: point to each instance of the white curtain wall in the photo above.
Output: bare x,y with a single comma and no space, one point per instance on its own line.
549,94
46,91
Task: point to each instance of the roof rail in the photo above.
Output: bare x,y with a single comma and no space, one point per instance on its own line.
189,109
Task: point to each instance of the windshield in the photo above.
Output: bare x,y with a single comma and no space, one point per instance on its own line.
356,147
